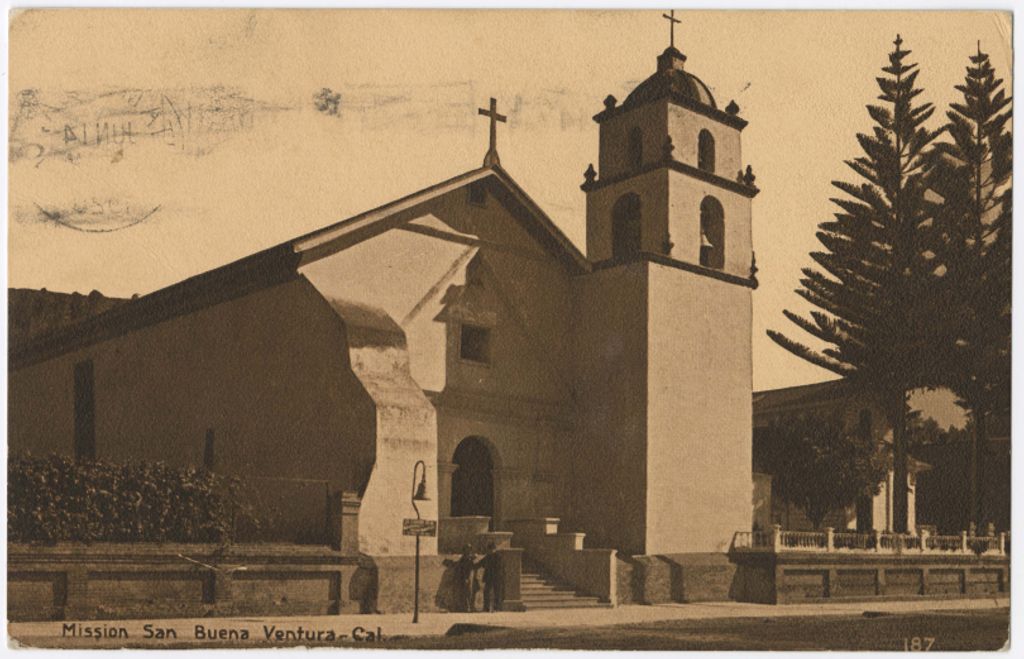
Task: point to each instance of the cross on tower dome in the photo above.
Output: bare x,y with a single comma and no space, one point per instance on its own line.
672,22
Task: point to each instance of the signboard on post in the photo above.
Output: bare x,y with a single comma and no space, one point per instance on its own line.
419,527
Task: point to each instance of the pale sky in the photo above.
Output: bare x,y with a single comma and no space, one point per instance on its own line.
227,153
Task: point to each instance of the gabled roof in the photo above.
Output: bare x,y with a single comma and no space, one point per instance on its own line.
775,400
335,237
282,262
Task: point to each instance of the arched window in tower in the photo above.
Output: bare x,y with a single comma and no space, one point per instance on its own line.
626,226
706,151
636,149
712,234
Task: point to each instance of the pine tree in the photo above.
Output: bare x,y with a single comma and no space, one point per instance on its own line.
972,177
876,316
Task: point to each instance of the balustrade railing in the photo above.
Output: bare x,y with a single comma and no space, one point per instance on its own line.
982,545
947,543
899,543
853,541
776,540
803,540
888,542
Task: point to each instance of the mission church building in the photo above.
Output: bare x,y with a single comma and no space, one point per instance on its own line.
459,326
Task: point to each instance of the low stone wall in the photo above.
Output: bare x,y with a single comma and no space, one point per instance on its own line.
801,577
86,582
120,581
691,577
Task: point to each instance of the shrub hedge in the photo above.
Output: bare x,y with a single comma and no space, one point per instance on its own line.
55,499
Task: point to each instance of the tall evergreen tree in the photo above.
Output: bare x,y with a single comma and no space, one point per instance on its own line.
972,175
874,311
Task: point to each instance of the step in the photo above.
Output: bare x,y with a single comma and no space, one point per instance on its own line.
573,598
562,592
538,590
550,588
545,591
533,580
575,604
550,584
552,597
546,586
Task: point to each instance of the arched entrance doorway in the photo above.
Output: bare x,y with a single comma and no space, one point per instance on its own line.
473,480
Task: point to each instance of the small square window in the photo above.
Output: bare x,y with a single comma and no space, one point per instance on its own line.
475,344
477,194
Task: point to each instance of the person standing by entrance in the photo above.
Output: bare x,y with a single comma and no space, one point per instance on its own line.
465,577
491,578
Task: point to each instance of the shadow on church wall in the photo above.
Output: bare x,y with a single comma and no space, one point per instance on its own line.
393,592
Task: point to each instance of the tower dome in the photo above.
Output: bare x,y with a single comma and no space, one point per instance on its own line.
671,81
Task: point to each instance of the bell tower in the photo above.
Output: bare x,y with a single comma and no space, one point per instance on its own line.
664,365
670,179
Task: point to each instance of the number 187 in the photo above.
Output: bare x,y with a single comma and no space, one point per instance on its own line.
918,643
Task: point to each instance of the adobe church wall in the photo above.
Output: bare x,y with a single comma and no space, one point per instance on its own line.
425,276
520,433
265,372
405,433
396,578
405,275
524,292
520,401
418,273
607,464
699,472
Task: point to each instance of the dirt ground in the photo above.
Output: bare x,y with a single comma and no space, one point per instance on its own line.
940,630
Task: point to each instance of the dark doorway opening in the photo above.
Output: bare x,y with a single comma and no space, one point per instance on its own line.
473,480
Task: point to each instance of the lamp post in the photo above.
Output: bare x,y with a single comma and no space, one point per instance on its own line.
419,493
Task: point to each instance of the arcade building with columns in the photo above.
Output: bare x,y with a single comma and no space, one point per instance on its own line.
564,402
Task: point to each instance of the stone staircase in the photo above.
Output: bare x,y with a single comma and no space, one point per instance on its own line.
539,590
572,572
